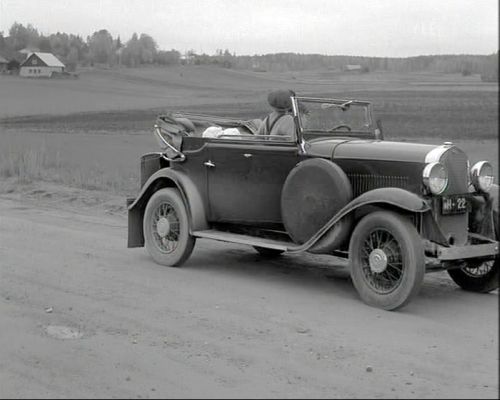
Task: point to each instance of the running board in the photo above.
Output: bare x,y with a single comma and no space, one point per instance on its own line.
246,239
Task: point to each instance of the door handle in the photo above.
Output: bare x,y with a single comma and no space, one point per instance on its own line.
247,155
209,164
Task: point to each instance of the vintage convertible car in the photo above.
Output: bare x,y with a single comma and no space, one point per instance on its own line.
333,186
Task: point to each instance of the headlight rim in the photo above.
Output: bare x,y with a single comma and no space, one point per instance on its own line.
426,176
475,174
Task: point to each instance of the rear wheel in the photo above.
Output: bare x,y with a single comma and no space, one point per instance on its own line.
166,228
479,277
386,260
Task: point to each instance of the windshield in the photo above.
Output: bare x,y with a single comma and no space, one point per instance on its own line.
326,117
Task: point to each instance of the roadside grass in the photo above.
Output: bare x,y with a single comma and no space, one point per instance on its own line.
28,165
41,164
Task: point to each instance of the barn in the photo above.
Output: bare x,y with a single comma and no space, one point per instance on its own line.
41,65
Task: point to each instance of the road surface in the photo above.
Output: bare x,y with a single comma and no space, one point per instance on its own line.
83,316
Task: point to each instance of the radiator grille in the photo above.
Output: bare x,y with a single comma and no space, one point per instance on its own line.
455,161
454,226
364,182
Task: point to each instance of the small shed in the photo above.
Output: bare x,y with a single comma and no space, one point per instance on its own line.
352,68
41,65
3,65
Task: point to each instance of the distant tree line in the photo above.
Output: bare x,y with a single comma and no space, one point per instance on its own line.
486,65
142,49
99,48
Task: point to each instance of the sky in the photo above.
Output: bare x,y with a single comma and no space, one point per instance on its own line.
378,28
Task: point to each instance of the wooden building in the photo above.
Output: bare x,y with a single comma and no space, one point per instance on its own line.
41,65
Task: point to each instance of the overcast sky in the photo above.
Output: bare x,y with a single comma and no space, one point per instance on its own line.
392,28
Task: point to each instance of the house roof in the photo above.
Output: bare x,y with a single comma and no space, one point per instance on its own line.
48,58
3,60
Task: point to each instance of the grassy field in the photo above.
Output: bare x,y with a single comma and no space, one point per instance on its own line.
91,132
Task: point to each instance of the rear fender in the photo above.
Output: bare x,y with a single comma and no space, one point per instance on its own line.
163,178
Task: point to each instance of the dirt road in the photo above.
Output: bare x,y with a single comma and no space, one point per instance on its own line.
82,316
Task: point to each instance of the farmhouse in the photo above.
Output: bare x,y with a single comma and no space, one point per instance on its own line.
39,65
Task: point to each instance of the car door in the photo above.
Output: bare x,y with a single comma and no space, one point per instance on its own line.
245,179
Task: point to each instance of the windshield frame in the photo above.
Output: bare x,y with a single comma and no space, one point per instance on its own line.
369,133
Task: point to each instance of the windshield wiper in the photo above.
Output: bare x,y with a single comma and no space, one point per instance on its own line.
343,106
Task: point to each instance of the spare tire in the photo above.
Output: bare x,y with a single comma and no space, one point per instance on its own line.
314,191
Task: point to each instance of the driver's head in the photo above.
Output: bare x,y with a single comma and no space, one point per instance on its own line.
280,100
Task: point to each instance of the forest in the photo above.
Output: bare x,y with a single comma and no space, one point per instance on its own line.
101,48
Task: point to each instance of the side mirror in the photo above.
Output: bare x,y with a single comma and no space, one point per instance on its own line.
379,132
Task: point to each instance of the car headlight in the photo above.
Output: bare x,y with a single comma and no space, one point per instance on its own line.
435,177
481,175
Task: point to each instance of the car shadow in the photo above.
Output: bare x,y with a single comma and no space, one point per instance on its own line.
303,270
318,273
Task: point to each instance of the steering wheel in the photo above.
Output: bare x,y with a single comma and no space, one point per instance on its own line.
340,126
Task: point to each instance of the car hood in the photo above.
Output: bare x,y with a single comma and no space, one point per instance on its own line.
370,150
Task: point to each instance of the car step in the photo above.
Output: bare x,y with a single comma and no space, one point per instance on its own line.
245,239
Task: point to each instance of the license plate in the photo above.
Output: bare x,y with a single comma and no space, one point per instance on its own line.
454,204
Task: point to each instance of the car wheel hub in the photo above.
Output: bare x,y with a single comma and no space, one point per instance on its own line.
163,227
378,261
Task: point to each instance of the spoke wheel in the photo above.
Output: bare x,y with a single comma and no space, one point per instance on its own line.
480,270
166,228
382,261
482,277
386,260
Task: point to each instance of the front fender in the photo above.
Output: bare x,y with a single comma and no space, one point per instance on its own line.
166,177
395,197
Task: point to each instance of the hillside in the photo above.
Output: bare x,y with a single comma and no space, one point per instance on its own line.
187,86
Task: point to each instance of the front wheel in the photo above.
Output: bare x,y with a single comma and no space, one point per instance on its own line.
166,228
479,277
386,260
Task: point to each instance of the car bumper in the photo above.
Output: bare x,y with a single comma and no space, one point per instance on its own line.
481,247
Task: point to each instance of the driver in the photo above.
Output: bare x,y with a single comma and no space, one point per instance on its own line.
280,121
